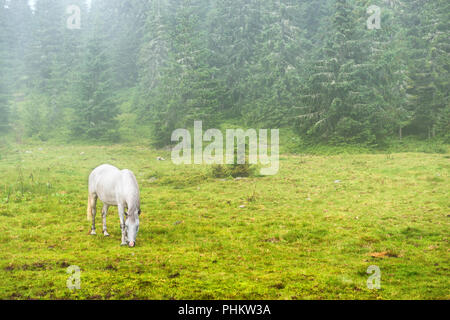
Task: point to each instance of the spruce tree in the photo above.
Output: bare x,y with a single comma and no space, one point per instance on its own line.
189,89
440,60
154,50
18,24
94,109
4,108
234,30
275,78
342,102
426,30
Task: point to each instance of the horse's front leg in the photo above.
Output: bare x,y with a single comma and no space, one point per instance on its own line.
104,212
121,210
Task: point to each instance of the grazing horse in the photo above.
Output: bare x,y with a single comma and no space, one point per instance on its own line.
118,188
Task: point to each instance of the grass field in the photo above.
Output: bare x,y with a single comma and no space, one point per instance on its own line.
309,232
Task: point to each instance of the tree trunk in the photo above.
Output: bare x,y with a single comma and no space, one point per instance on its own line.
400,134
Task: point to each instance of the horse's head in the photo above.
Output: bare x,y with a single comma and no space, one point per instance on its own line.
132,225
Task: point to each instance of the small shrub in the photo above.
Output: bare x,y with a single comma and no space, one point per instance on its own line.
233,170
219,171
241,170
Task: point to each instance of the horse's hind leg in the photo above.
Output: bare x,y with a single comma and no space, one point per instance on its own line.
92,206
104,212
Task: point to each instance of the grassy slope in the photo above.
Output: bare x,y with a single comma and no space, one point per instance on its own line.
299,236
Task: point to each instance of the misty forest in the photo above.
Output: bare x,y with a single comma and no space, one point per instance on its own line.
357,206
144,68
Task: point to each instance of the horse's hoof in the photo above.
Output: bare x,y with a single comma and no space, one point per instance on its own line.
106,234
93,233
124,244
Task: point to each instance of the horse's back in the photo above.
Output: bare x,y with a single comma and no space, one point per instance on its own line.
103,179
104,168
112,185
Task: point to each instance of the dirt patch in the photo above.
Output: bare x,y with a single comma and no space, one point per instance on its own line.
388,254
278,286
272,240
174,275
10,267
111,267
16,295
33,266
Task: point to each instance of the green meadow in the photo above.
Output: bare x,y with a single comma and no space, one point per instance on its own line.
309,232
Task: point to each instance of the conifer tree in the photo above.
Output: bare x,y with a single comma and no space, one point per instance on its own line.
341,101
4,108
274,80
426,28
188,90
95,110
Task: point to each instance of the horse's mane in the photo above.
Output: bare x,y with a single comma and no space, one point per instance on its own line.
133,201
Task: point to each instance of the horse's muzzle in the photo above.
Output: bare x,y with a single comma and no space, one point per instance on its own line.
131,243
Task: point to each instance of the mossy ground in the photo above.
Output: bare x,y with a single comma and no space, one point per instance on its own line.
309,232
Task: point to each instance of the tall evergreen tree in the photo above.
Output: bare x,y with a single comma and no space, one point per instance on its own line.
426,30
234,31
440,59
4,108
19,28
275,77
154,49
194,91
341,101
95,109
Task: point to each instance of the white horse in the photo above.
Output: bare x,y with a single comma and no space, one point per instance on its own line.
118,188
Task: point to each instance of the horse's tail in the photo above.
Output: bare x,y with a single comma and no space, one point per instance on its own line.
89,209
